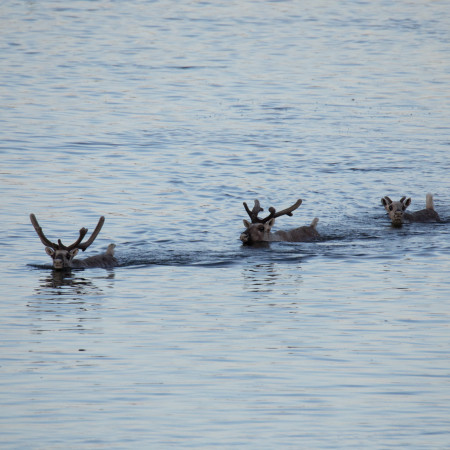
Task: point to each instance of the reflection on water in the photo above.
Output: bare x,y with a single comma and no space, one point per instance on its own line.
66,300
265,278
69,282
260,278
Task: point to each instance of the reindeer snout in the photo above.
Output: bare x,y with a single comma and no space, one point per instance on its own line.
397,219
245,238
58,264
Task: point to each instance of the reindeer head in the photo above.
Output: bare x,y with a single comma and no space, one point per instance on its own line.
259,229
61,255
396,210
62,258
256,232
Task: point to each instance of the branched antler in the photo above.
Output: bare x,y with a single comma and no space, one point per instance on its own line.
253,214
288,211
86,244
83,232
77,244
41,234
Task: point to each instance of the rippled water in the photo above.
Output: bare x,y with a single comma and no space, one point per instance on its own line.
164,117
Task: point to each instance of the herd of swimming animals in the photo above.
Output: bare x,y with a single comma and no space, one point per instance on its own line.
258,230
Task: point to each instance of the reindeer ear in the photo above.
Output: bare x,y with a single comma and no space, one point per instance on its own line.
73,252
407,202
270,223
384,202
50,251
246,223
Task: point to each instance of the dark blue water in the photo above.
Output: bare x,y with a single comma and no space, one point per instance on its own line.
164,117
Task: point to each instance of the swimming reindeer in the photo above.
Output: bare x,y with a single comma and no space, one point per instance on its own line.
399,216
63,257
259,230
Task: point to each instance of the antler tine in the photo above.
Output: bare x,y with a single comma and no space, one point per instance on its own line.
83,232
41,234
287,211
272,211
253,214
86,244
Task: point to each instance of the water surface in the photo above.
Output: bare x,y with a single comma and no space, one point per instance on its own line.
164,117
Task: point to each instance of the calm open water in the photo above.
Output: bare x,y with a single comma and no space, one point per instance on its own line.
165,116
